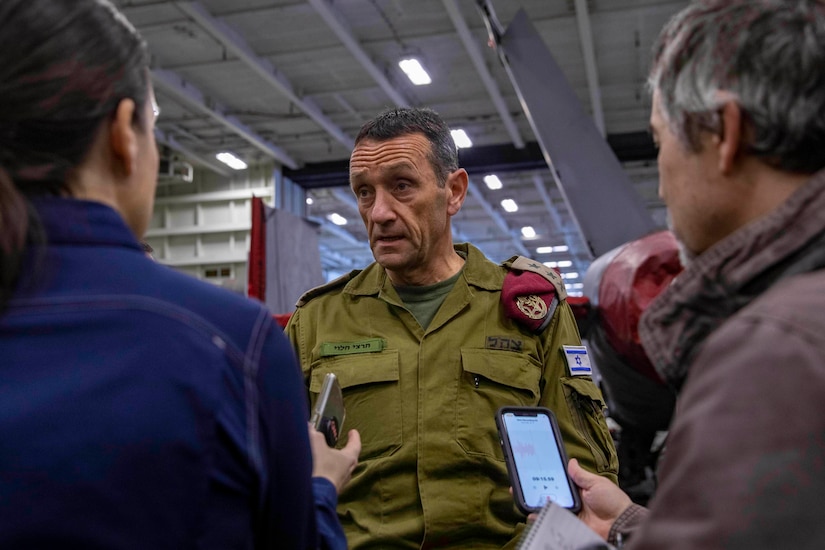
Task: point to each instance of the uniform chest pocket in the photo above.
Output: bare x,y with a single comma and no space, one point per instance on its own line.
489,380
372,398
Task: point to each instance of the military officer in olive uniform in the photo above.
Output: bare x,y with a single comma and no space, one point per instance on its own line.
428,342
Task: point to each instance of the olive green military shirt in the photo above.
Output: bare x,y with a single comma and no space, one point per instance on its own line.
431,471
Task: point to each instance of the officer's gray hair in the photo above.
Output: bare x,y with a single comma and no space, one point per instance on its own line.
767,55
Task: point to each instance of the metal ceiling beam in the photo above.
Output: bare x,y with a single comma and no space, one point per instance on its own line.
335,21
591,70
599,195
172,143
473,190
234,43
344,194
346,105
338,231
483,72
334,259
175,131
172,84
575,245
484,159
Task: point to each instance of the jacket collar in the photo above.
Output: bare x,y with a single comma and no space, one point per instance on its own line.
788,241
73,221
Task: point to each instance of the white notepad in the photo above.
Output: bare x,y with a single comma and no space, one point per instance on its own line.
559,529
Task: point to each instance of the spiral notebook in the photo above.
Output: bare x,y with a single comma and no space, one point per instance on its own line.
559,529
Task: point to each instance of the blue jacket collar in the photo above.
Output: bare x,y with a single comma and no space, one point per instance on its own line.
67,220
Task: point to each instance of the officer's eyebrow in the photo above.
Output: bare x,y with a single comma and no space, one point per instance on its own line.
402,165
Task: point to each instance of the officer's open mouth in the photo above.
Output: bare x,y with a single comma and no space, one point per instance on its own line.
387,239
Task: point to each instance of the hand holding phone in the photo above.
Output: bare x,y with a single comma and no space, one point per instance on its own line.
328,413
536,460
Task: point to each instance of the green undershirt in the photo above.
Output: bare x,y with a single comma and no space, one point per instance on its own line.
424,301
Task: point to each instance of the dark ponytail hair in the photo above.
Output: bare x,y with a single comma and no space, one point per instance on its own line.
65,65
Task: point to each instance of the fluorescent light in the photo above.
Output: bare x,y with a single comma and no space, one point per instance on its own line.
337,219
565,263
575,286
415,72
231,160
528,232
309,200
461,139
551,264
572,275
509,205
493,182
549,249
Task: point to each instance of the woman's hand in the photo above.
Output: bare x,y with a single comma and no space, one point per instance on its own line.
335,465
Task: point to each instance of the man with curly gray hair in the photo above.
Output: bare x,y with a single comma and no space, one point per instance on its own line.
739,118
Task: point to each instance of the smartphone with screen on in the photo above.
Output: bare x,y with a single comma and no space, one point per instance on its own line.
536,460
328,413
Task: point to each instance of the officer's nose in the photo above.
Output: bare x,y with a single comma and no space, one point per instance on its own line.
383,209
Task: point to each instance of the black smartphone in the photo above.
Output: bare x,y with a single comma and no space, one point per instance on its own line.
536,460
328,413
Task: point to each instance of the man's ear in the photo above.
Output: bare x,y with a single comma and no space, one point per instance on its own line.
123,139
731,138
456,186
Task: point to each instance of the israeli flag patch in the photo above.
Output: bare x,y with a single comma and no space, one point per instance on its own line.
578,362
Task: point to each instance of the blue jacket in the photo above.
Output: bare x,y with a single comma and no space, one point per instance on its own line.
141,408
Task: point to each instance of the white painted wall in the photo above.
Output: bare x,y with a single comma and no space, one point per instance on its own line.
202,227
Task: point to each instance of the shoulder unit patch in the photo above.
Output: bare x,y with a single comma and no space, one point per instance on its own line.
523,263
531,292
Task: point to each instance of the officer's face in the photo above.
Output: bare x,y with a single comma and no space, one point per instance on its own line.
405,211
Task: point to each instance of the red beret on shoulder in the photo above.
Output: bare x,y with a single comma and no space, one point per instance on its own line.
530,293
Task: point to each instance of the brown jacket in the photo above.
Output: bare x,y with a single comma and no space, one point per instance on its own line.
741,335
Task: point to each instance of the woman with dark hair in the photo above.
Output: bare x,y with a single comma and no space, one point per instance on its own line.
139,408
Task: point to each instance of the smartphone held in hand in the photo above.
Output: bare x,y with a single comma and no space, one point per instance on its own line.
328,413
536,460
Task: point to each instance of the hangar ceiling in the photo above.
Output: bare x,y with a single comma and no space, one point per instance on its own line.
292,81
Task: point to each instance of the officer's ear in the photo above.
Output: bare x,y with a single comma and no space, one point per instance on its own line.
456,187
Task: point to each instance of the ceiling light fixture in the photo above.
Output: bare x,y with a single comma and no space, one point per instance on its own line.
337,219
415,72
231,160
493,182
461,139
509,205
528,232
549,249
